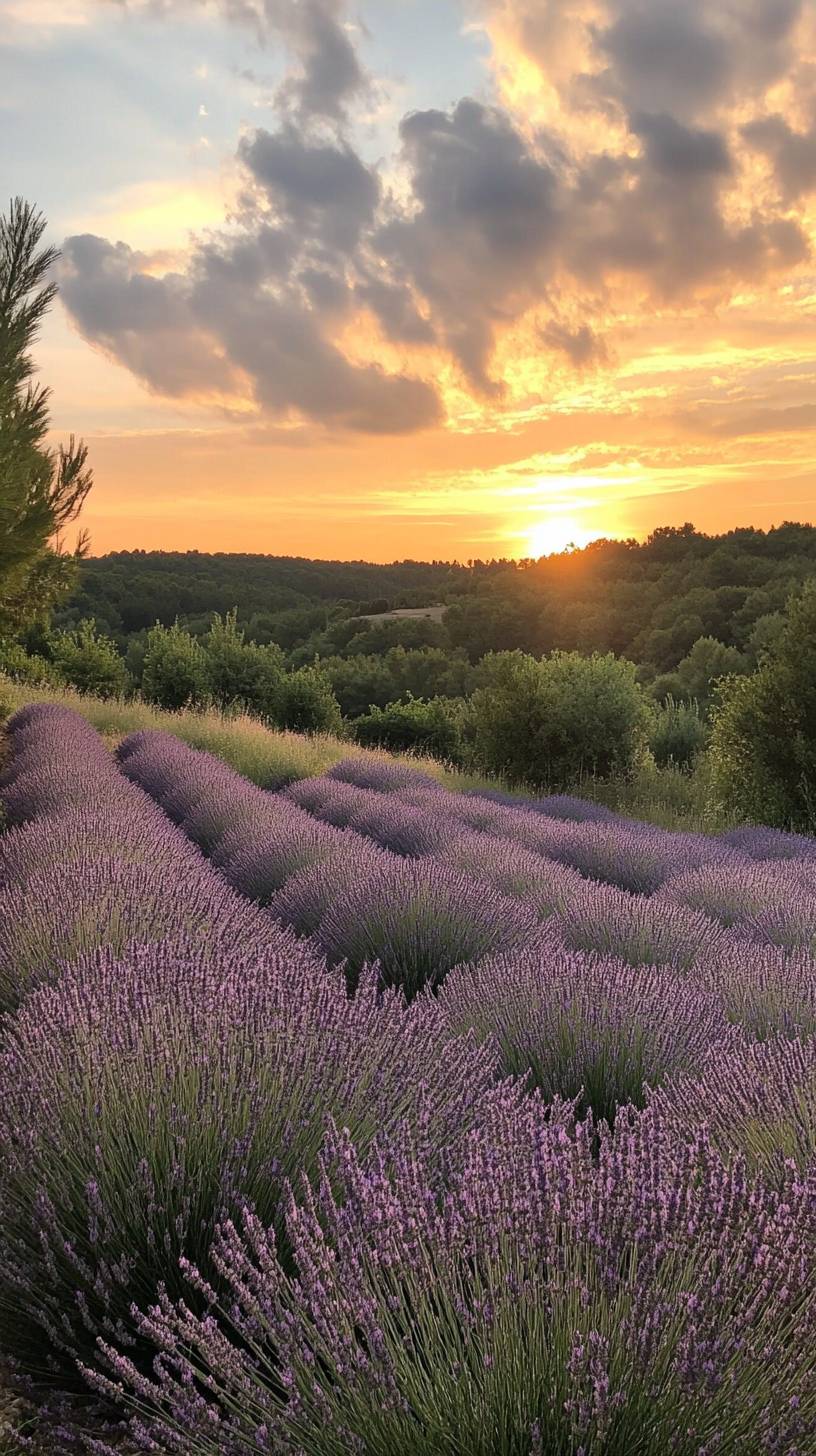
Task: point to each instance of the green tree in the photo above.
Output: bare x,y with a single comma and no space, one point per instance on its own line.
174,674
307,703
550,722
415,725
89,661
679,733
241,672
763,747
41,490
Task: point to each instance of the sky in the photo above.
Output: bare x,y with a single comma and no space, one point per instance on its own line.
423,278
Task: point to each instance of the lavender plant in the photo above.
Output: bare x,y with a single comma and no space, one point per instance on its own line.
615,1295
589,1028
416,920
145,1098
757,1101
635,928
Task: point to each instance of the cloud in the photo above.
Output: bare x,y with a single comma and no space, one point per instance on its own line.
691,57
221,328
793,153
582,346
484,219
483,227
328,73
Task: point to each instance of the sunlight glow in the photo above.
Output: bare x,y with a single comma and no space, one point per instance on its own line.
557,533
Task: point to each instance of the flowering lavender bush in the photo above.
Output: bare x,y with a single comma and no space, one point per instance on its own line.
735,892
607,1294
767,990
635,928
308,895
584,1027
261,854
368,771
416,921
759,842
543,885
146,1097
756,1099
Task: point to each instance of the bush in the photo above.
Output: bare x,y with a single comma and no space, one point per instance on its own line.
553,721
415,725
763,748
25,667
307,703
89,661
174,674
146,1098
605,1293
678,734
239,672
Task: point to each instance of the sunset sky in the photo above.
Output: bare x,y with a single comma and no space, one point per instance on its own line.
430,278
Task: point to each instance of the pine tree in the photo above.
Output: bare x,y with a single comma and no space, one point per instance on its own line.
41,490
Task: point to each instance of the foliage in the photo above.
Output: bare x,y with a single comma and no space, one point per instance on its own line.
678,734
307,704
89,661
175,668
240,672
552,722
25,667
41,491
763,749
416,725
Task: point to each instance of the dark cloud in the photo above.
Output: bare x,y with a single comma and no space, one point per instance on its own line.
484,220
224,323
322,188
582,346
687,57
145,322
329,74
793,153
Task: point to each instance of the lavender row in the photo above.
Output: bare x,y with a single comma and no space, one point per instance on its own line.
90,861
182,1065
359,899
571,1290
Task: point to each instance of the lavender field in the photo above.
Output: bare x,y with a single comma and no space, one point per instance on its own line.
364,1116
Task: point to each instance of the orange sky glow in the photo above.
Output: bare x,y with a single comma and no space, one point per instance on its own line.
610,322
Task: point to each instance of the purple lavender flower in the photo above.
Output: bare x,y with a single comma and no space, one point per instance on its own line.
586,1027
416,920
566,1293
145,1098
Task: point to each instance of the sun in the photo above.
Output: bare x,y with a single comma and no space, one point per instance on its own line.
556,533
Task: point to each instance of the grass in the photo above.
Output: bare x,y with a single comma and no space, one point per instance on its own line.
663,796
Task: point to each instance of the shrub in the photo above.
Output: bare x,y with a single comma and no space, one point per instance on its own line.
550,722
416,725
587,1292
543,885
417,920
678,734
25,667
237,671
768,990
763,748
89,661
307,703
146,1098
174,674
756,1098
637,929
584,1027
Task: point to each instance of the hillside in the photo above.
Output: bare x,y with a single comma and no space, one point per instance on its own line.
649,601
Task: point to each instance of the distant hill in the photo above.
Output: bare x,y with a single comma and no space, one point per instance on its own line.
650,601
